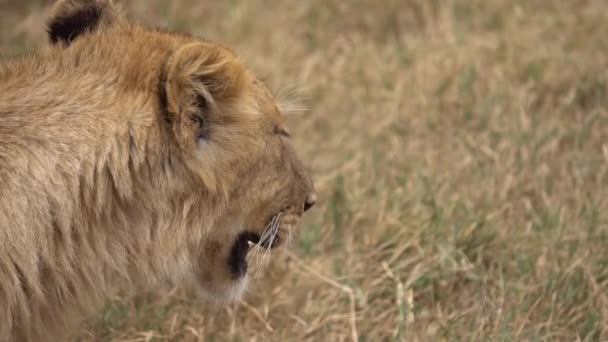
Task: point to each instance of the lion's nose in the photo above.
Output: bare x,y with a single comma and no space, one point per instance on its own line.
310,201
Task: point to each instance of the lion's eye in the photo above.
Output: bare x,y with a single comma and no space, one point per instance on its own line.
203,129
281,131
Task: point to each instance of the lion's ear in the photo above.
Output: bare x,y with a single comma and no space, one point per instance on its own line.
202,80
71,19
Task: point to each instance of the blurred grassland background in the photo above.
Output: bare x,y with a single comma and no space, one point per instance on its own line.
461,157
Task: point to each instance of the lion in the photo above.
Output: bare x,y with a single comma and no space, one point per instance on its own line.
134,156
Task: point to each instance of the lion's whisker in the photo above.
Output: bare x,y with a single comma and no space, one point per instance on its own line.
255,250
267,238
272,234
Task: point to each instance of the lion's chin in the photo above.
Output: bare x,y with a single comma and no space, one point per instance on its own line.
230,284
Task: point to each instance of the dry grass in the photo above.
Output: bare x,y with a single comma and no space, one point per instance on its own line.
461,154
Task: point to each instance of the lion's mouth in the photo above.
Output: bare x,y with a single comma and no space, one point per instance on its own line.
238,254
248,240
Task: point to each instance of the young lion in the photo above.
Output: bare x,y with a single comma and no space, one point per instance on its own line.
133,156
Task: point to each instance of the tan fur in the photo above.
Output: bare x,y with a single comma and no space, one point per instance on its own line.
104,181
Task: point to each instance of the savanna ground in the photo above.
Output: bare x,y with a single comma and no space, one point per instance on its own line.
460,150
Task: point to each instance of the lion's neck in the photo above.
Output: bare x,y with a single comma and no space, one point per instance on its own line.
114,215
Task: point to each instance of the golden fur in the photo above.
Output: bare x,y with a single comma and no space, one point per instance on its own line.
130,156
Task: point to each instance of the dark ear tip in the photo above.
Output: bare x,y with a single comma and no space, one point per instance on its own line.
66,29
73,18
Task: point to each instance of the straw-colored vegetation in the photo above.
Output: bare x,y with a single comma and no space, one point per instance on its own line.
460,150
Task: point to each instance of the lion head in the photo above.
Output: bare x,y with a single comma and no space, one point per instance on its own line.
215,136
